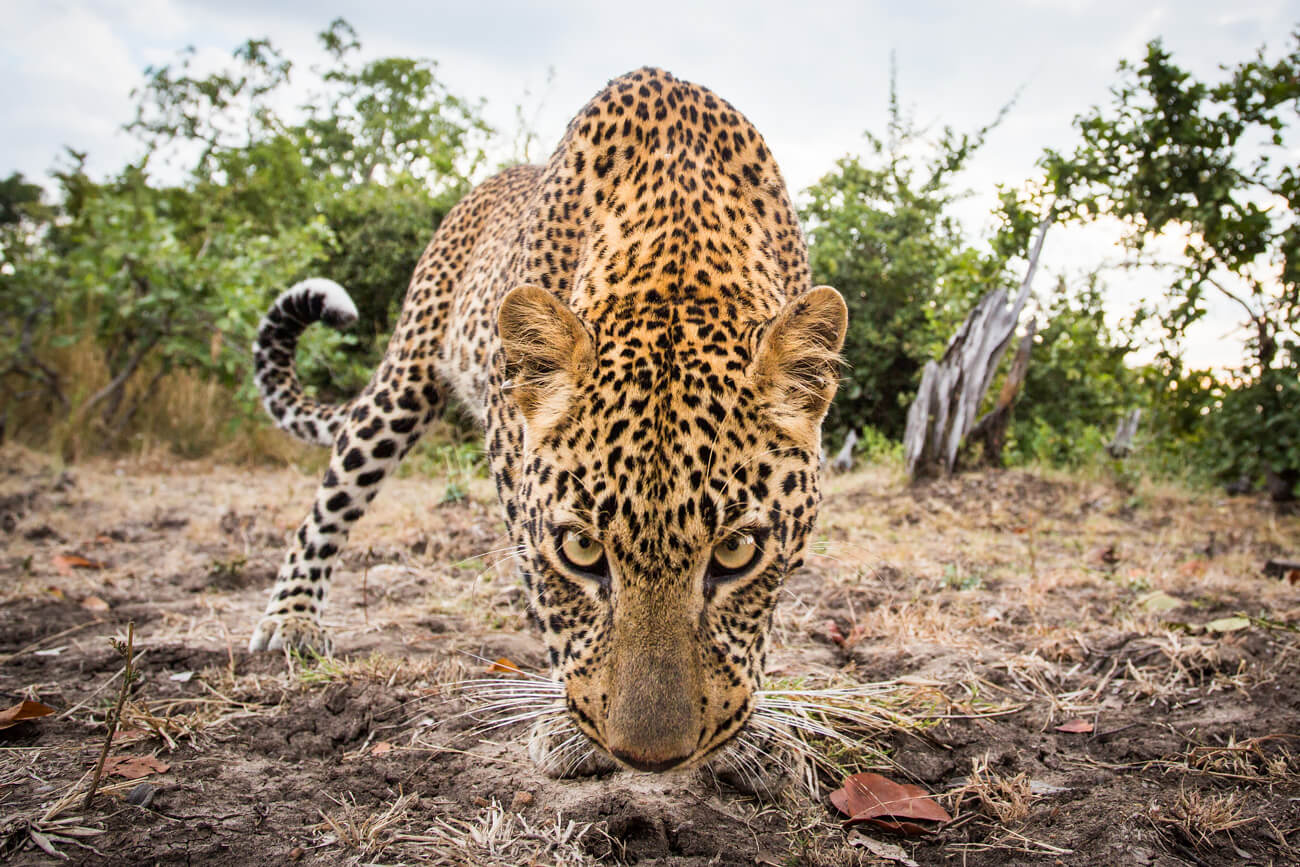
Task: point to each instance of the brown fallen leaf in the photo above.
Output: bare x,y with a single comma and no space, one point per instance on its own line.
1104,556
504,666
135,767
380,748
881,849
880,801
65,563
833,632
23,711
94,603
129,734
1075,727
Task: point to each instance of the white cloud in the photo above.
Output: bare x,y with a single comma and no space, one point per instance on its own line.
812,76
67,75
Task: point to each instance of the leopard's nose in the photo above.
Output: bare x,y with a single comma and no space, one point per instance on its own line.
653,765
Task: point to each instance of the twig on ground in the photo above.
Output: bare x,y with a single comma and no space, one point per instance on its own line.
47,639
128,675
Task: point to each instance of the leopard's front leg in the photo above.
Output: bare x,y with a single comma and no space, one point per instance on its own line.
383,423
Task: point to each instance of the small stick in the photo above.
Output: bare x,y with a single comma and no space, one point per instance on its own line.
47,639
128,675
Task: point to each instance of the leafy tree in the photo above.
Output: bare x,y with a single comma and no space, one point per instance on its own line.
388,118
1213,164
23,373
880,230
1077,383
162,277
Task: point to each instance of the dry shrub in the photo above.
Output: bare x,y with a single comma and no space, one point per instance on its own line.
180,412
366,832
1197,817
1006,799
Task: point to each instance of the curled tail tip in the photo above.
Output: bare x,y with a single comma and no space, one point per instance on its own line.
319,299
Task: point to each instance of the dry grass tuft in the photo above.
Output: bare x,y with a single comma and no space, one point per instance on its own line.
374,668
499,838
1197,817
1262,759
185,719
834,731
367,833
1006,799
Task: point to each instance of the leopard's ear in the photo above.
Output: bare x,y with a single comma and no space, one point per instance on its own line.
547,350
797,363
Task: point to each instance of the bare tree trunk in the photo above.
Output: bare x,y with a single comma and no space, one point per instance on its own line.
991,430
953,387
843,460
1121,446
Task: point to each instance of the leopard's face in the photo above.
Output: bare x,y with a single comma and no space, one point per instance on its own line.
665,496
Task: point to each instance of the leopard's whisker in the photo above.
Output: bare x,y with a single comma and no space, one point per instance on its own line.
582,752
518,549
780,724
499,687
528,674
744,754
574,744
478,713
479,689
540,713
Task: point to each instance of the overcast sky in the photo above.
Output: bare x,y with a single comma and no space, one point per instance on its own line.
810,75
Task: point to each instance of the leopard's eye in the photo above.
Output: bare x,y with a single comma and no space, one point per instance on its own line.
734,553
581,551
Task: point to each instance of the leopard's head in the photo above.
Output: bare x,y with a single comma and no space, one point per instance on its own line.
668,486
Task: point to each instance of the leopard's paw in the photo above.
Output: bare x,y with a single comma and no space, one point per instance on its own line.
762,769
561,751
293,632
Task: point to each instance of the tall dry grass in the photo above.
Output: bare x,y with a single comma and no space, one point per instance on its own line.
178,412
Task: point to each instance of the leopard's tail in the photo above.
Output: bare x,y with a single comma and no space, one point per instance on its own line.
314,300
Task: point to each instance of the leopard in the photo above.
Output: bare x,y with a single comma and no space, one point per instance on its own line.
634,327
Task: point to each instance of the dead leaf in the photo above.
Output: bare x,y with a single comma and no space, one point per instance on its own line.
94,603
65,563
1228,624
1075,727
381,747
1192,568
881,849
55,592
868,797
504,666
135,767
22,711
521,799
1293,576
129,734
833,632
1104,556
44,843
1159,600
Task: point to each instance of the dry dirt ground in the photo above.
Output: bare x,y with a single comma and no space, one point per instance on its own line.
986,611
